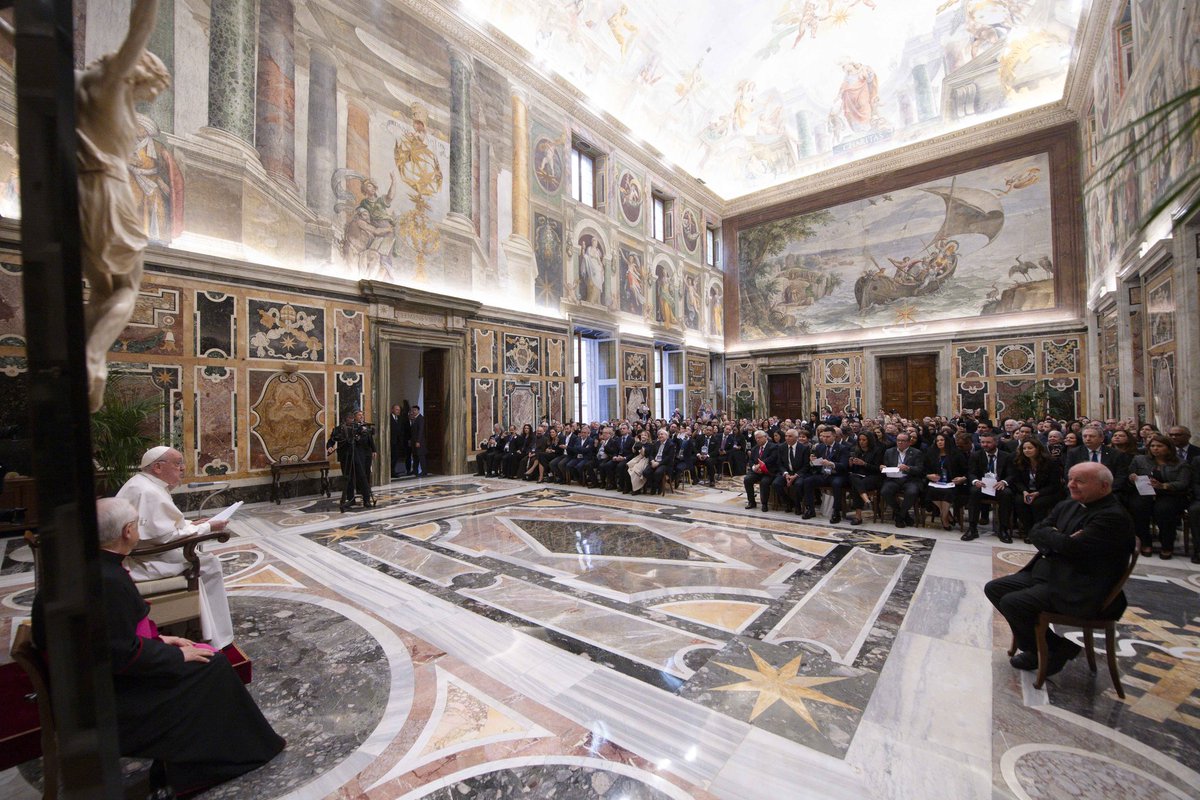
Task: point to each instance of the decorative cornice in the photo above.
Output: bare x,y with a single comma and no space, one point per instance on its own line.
991,132
393,294
1088,39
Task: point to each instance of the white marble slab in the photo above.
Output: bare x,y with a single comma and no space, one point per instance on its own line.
952,610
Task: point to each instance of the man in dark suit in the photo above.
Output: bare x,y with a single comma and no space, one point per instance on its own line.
398,440
829,465
1095,450
707,445
989,459
662,458
901,491
416,440
1181,437
614,472
793,466
569,442
762,465
489,452
1084,547
685,456
732,451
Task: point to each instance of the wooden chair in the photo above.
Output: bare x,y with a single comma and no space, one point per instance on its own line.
174,600
30,660
1046,619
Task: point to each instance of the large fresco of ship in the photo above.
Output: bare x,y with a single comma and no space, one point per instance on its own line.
972,244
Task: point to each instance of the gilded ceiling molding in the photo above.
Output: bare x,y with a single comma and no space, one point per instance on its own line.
991,132
1083,67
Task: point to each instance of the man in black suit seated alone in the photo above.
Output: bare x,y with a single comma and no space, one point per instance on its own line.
762,465
662,459
1084,547
829,465
989,459
707,445
901,491
793,466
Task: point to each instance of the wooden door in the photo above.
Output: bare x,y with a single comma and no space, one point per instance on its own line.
433,370
908,385
787,400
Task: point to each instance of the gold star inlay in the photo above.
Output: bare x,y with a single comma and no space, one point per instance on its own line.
783,684
890,541
337,534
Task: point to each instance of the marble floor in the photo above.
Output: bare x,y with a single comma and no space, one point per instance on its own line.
484,638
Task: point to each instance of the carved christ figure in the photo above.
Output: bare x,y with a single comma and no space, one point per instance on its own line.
114,238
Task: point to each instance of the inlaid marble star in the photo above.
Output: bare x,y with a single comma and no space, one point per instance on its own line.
773,685
890,541
337,534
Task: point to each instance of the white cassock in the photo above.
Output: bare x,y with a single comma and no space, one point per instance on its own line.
160,521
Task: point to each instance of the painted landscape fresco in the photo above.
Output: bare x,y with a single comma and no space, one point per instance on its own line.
973,244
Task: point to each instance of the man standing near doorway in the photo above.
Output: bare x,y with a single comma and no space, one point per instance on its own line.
398,437
416,440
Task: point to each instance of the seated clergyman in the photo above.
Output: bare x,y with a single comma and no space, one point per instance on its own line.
178,703
160,522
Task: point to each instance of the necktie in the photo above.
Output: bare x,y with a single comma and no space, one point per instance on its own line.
991,464
1095,456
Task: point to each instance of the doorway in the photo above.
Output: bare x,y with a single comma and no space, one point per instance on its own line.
908,385
418,375
787,397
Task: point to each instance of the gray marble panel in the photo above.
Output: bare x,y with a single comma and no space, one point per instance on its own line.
951,610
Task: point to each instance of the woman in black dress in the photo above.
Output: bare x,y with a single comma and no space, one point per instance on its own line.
1037,483
865,477
946,464
1170,480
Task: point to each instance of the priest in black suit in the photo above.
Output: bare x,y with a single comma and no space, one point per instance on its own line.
762,465
901,491
178,703
1084,547
989,459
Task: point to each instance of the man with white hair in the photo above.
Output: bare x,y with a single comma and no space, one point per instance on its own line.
177,703
160,522
1084,546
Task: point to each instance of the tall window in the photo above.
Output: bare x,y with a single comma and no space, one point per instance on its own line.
583,176
595,377
668,380
660,218
711,244
1124,47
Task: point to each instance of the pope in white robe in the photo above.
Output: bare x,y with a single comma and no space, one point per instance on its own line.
160,521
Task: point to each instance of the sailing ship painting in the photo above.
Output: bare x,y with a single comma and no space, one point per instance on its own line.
972,244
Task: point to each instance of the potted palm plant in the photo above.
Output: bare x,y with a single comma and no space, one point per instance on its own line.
122,430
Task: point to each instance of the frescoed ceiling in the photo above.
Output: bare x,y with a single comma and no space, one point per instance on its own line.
750,94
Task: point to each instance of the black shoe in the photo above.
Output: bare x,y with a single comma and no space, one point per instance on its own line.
900,523
751,505
856,521
1026,660
342,507
1006,537
970,535
764,508
1196,557
908,520
835,519
808,514
1061,652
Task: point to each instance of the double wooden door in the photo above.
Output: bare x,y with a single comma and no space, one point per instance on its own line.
433,370
908,385
788,396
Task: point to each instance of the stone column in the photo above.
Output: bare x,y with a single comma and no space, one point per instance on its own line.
322,131
275,117
231,67
520,164
460,132
804,137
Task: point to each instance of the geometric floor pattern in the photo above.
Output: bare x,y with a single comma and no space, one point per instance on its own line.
486,638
